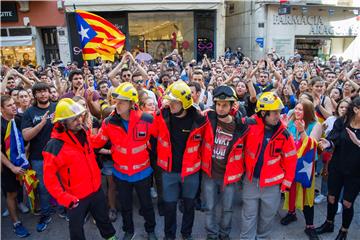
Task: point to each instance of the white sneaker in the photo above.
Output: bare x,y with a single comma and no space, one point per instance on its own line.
340,208
5,213
23,208
153,193
319,199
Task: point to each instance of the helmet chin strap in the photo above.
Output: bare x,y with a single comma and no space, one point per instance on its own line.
179,112
223,116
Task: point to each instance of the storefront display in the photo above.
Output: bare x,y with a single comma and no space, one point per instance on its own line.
18,55
159,33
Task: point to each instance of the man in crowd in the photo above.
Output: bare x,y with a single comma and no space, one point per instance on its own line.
36,129
270,161
70,156
180,129
9,184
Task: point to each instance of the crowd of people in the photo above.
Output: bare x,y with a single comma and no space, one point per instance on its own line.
186,134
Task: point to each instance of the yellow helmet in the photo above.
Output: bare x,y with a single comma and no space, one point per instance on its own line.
269,101
67,108
126,91
179,91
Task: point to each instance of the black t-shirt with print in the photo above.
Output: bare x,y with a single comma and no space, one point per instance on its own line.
223,136
32,117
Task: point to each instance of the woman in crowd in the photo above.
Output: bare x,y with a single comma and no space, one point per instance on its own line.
344,141
306,131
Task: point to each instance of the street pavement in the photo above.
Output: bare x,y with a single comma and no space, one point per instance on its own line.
58,228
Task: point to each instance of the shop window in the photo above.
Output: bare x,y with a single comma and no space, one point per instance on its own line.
158,33
18,55
19,31
205,34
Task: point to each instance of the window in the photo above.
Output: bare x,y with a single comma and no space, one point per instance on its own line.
158,33
19,31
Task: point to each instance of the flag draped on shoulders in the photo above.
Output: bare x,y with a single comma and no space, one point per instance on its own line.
98,37
306,151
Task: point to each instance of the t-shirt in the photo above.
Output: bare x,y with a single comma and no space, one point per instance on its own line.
180,130
223,136
32,117
267,136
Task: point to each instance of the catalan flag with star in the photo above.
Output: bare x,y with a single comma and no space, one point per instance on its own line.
98,37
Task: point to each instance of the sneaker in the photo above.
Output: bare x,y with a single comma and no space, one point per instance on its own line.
340,208
342,235
37,212
212,237
319,199
153,193
113,238
325,228
23,208
187,238
151,236
43,223
128,236
5,213
112,215
311,234
20,230
289,218
64,215
224,237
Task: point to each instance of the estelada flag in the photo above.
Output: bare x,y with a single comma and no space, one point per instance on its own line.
305,167
98,37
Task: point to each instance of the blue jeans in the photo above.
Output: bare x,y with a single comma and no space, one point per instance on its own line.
44,195
213,190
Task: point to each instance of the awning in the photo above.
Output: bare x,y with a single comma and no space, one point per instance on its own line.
15,41
141,5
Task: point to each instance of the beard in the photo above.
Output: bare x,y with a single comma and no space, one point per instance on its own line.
43,102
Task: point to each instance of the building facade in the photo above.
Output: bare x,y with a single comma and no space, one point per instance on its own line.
33,32
308,27
157,27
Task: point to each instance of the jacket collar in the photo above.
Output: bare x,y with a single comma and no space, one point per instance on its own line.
199,120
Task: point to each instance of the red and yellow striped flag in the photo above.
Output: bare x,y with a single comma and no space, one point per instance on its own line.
99,37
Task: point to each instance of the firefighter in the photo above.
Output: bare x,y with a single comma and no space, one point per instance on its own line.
70,155
128,130
180,132
222,162
270,163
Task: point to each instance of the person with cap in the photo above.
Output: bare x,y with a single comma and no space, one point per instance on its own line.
71,174
129,131
270,163
222,161
180,129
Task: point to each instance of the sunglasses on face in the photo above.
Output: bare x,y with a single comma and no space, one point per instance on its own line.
139,82
126,75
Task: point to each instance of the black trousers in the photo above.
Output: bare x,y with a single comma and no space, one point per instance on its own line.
351,185
142,188
96,204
